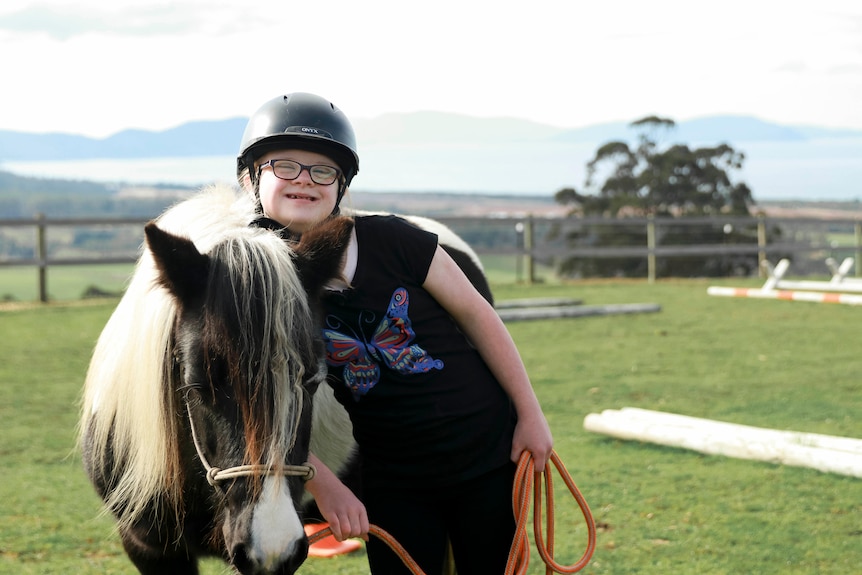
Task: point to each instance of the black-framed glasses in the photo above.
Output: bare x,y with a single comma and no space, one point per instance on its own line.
290,170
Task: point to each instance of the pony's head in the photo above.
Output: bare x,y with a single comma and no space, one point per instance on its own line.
247,361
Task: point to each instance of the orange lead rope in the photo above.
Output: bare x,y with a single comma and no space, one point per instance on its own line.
384,536
519,555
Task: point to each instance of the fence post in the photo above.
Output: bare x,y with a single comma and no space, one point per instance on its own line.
761,244
42,255
650,238
858,262
528,249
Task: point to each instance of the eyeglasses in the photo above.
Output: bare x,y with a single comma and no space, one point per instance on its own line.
290,170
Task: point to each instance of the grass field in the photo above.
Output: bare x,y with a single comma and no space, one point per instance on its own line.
787,365
64,282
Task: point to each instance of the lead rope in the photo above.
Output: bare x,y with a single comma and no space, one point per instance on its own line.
519,554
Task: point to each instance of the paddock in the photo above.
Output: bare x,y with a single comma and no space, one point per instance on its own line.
651,503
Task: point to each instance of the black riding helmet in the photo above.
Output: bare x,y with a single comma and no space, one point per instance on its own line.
300,121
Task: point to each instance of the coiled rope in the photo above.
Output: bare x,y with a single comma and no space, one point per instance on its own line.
526,479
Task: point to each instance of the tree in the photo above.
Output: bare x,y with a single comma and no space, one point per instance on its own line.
674,181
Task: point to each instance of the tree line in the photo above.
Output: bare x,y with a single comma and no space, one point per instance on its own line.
671,181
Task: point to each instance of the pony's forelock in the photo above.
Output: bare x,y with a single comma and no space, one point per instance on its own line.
259,311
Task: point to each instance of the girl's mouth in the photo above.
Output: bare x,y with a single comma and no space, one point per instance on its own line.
300,197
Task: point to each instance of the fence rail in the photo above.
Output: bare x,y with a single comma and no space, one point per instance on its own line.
525,238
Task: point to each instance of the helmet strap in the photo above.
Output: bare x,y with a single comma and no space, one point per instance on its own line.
248,159
342,189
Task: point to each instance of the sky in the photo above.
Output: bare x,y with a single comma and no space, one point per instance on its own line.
95,68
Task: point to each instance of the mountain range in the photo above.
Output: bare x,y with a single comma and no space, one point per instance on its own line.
221,137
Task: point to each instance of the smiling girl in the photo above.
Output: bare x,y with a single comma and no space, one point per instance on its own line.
439,399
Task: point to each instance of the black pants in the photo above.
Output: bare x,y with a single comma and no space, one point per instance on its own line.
476,516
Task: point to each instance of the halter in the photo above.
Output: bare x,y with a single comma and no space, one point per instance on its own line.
216,474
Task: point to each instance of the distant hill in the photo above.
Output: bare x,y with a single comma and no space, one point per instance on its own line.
200,138
15,186
221,137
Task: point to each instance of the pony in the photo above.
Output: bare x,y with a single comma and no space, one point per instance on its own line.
203,397
210,361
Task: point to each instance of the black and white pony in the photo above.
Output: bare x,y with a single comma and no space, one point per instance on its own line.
204,397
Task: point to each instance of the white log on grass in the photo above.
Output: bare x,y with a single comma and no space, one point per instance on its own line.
827,453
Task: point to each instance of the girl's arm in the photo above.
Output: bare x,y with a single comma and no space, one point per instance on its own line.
344,512
486,331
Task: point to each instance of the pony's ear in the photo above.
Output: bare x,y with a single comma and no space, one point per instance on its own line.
182,268
320,253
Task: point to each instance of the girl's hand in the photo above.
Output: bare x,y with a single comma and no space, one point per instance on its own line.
533,434
344,512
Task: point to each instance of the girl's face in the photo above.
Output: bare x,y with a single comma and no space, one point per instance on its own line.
300,203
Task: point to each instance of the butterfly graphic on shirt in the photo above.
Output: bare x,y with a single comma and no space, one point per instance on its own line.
389,346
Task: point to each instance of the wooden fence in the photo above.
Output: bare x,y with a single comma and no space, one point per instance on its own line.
526,239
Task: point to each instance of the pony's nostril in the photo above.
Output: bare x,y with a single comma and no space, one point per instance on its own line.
296,559
239,558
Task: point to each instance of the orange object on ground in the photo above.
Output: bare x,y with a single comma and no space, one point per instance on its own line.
328,546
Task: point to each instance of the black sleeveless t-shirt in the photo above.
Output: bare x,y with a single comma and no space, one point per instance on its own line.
426,410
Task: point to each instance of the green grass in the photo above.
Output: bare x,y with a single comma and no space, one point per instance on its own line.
64,283
787,365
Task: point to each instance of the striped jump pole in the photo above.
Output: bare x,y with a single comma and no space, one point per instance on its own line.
817,297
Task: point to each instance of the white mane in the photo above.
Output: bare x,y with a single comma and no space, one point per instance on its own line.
125,402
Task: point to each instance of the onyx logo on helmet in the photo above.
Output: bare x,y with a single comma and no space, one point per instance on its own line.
299,121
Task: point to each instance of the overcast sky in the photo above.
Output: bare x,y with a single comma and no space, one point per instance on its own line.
96,67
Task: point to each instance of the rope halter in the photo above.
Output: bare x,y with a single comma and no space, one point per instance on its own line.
216,474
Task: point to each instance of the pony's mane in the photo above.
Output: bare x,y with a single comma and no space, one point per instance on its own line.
130,395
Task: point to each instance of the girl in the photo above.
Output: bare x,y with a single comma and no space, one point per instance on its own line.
439,398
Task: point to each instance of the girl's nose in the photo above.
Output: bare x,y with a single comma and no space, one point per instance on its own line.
304,177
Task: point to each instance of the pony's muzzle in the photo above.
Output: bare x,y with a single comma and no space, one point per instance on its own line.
245,563
267,538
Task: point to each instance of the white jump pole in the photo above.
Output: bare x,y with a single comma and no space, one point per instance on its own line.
775,274
843,286
838,283
839,273
831,454
818,297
